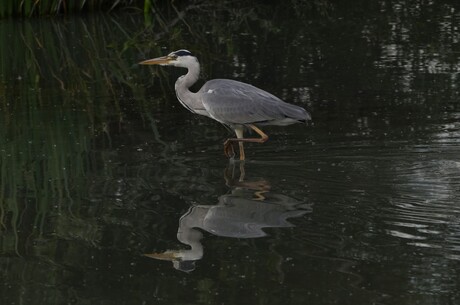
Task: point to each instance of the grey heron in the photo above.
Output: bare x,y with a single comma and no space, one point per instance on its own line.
232,103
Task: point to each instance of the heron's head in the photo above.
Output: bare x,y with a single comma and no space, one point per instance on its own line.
180,58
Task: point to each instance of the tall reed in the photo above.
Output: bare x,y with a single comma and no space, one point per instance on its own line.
57,98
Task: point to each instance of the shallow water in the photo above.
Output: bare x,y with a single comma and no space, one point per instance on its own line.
107,180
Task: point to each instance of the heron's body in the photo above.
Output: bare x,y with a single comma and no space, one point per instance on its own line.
233,103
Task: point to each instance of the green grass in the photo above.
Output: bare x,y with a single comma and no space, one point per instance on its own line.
58,96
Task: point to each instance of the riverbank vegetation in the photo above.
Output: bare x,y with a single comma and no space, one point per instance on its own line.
32,8
28,8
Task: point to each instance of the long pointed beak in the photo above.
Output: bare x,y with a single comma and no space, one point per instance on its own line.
165,256
164,60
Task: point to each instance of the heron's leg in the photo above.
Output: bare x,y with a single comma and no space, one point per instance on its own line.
240,135
242,172
241,140
229,151
263,136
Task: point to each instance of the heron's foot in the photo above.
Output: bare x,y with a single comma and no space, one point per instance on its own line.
229,150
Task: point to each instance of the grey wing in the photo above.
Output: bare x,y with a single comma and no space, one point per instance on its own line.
233,102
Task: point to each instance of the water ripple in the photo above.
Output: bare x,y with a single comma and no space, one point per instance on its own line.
423,209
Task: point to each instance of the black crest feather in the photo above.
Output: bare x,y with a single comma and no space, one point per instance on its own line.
182,53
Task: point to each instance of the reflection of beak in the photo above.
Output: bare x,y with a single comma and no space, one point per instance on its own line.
176,258
165,256
164,60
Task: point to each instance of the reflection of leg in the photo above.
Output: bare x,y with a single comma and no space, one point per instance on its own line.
228,148
259,195
231,174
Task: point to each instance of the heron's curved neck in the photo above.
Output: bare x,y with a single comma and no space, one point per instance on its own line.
187,98
192,75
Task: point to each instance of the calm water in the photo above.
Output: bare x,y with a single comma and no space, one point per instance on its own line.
106,179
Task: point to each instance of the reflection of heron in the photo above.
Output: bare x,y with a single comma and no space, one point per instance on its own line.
241,214
232,103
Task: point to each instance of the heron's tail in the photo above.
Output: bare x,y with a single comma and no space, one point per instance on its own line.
295,112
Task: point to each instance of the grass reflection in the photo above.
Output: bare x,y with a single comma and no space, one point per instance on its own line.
56,98
44,159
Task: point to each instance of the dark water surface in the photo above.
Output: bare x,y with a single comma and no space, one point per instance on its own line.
112,193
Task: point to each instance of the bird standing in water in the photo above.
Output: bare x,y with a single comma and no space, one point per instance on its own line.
232,103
